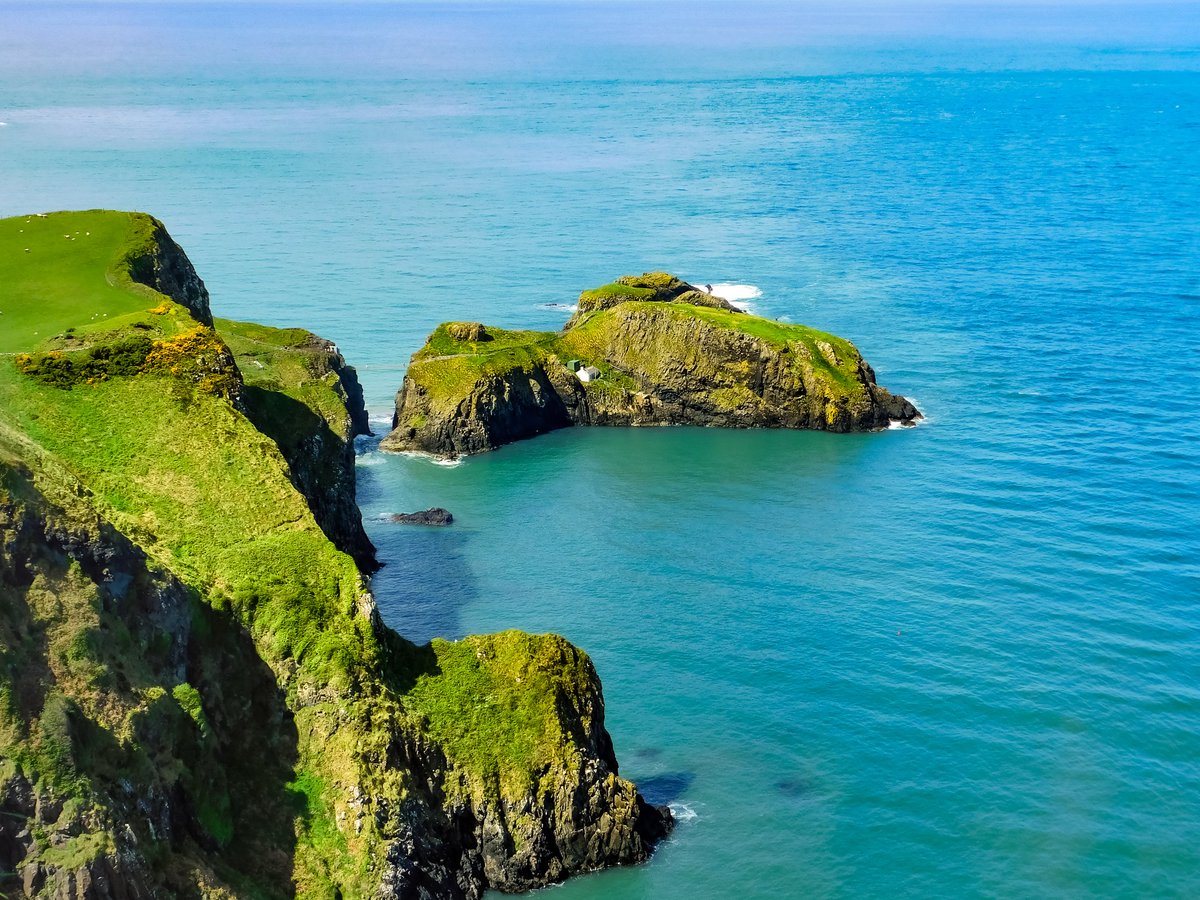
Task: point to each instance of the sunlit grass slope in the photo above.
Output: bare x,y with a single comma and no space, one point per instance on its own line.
66,270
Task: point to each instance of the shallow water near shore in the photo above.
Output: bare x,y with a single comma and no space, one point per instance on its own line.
961,659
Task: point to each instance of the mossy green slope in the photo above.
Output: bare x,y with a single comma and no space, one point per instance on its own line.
291,743
667,353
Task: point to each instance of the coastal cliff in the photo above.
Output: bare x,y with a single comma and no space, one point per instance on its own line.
300,391
656,351
197,694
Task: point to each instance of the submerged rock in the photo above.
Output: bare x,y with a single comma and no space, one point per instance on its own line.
435,515
666,353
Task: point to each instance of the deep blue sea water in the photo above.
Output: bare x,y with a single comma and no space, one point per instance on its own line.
957,660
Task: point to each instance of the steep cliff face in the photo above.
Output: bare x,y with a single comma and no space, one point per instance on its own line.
301,392
663,359
157,262
197,695
108,754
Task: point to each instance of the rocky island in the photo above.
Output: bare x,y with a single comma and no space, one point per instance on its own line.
197,695
644,350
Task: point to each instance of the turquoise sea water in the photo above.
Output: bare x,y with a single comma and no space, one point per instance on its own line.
957,660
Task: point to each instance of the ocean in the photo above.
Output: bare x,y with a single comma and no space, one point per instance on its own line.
959,660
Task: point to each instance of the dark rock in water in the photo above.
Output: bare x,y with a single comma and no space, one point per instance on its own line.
647,753
435,515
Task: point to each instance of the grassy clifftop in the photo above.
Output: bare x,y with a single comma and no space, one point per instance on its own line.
66,265
85,271
196,694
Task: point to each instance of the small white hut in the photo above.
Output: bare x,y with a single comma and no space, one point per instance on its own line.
587,373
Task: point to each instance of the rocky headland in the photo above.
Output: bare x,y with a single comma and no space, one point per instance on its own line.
644,350
197,695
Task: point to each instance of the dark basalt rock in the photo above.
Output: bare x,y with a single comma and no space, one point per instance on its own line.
435,515
163,266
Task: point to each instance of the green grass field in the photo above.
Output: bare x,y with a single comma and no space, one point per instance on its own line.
64,271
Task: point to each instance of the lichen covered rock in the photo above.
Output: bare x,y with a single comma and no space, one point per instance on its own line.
468,331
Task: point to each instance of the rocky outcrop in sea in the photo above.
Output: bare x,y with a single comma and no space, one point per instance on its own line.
645,350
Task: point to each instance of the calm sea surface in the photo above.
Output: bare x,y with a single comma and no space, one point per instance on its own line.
958,660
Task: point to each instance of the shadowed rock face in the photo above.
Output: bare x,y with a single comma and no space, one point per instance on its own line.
163,266
669,355
67,569
497,410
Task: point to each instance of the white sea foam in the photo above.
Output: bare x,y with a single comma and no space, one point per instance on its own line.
565,307
739,295
374,458
431,458
683,812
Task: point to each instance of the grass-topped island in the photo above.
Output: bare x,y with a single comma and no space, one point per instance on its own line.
644,350
197,695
